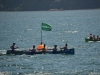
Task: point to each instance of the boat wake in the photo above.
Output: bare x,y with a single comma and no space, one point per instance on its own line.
3,52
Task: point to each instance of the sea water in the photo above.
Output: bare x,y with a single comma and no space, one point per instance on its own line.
69,26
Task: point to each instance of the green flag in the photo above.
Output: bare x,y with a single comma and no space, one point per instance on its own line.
46,27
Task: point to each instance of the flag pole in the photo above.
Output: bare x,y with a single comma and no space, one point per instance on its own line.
45,27
41,33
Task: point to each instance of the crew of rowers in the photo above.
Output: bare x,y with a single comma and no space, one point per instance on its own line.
92,37
42,48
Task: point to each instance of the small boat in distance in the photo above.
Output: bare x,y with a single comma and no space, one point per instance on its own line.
92,38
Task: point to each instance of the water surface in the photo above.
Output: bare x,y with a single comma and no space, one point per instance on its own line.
71,26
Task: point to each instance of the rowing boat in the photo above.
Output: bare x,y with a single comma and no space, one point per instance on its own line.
68,51
91,40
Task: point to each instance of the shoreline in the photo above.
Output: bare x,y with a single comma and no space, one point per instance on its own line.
47,10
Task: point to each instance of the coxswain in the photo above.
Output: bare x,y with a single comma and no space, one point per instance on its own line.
41,46
13,47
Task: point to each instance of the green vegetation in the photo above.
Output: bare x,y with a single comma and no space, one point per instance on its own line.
38,5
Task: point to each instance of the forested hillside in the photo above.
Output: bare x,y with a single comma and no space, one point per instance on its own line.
38,5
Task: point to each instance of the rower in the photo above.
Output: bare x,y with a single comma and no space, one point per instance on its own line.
91,37
44,48
94,38
98,37
54,49
33,50
13,47
64,48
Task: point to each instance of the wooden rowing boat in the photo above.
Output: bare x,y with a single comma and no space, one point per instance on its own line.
68,51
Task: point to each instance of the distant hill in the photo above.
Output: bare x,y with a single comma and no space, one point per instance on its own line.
40,5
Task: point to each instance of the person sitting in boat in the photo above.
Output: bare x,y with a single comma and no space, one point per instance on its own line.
64,48
94,38
33,50
13,47
90,36
44,48
41,46
54,49
97,37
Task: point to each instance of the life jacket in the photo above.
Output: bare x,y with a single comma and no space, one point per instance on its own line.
40,47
